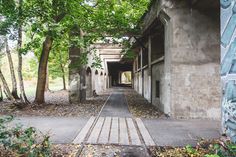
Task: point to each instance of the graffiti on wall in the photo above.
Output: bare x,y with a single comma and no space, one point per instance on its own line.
228,66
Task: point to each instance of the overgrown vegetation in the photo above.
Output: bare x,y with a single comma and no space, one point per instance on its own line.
212,148
19,141
51,28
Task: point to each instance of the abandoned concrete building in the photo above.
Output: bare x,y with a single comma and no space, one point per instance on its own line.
177,63
178,58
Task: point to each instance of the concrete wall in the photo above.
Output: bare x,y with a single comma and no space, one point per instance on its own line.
158,75
146,85
140,83
89,91
195,58
136,82
189,72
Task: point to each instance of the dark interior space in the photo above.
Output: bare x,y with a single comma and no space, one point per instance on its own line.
115,70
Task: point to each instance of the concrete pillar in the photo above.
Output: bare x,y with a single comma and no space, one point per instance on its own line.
150,68
74,78
77,73
89,90
82,84
141,65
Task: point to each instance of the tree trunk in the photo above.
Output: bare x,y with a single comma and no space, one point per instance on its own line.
47,80
42,70
63,78
19,45
1,96
13,77
6,88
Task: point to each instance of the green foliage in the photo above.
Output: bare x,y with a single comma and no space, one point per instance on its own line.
190,149
59,58
204,148
30,71
225,149
96,61
214,155
22,142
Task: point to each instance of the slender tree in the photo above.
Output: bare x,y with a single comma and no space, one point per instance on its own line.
6,87
19,46
13,77
1,96
12,13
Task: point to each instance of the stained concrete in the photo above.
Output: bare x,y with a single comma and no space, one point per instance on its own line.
181,132
60,129
116,106
189,70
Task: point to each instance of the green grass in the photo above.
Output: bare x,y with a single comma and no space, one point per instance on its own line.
30,86
30,76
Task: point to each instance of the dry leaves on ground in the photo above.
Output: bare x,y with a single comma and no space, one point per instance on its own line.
57,104
65,150
111,151
140,107
204,148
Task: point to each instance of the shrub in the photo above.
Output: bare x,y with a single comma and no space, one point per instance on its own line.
25,142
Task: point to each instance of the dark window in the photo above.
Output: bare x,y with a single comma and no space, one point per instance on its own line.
158,89
88,71
145,56
139,61
158,44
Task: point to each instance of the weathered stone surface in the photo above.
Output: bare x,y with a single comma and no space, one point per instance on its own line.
188,73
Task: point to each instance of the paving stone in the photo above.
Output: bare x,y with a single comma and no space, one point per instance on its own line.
145,134
96,131
133,132
116,106
124,139
114,137
82,134
104,136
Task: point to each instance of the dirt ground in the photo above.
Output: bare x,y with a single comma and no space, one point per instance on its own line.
140,107
57,104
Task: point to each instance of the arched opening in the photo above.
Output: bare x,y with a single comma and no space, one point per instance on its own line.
88,71
115,69
88,82
126,77
96,72
101,73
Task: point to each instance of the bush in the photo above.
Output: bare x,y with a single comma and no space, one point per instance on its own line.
204,148
24,142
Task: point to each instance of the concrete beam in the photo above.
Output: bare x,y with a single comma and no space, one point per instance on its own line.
107,46
110,56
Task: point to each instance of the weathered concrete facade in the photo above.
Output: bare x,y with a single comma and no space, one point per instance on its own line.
87,79
180,65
